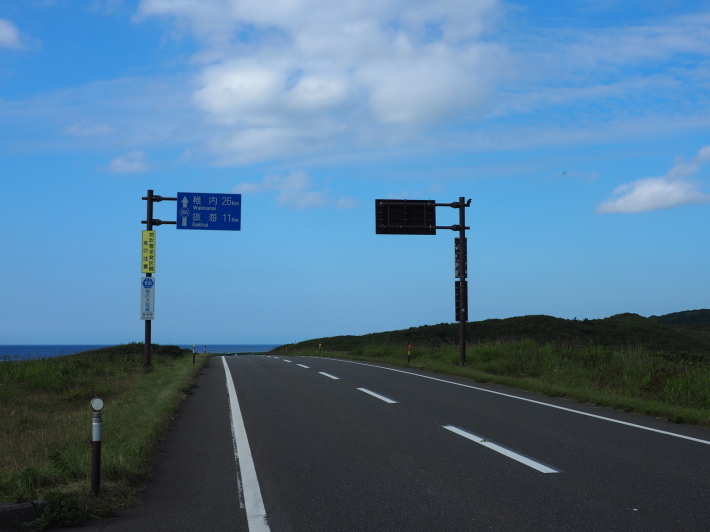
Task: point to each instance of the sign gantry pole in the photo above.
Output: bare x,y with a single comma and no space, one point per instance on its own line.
418,217
463,284
147,346
195,210
148,267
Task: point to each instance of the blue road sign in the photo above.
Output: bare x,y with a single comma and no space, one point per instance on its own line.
202,210
147,298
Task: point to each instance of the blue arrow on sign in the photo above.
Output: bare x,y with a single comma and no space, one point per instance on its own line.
202,210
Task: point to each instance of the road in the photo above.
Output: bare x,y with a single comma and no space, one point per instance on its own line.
331,456
333,445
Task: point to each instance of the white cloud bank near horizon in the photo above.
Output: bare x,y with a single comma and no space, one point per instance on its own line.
653,193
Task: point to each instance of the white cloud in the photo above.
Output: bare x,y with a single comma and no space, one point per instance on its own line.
279,79
294,190
653,193
235,92
117,116
9,35
255,144
427,85
284,76
87,129
107,7
130,163
347,203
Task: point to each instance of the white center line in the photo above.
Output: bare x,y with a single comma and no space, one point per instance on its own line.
612,420
381,397
256,513
289,361
303,366
502,450
329,375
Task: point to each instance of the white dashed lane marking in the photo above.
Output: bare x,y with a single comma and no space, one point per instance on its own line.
380,397
502,450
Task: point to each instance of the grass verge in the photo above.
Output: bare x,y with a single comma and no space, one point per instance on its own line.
45,426
632,378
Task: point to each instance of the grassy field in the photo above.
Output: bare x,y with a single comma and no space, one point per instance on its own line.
631,378
45,425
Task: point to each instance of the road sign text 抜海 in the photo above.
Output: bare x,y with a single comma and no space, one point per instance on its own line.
148,251
147,298
202,210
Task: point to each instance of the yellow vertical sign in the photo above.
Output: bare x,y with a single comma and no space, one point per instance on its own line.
148,255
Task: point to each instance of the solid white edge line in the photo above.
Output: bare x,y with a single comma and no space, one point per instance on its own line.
706,442
329,375
256,513
381,397
304,366
542,468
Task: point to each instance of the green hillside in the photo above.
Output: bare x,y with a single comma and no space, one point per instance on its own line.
692,320
680,333
657,366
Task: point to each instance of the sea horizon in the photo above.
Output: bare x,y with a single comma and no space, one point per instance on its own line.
35,351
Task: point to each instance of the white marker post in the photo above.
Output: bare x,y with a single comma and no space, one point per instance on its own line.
97,405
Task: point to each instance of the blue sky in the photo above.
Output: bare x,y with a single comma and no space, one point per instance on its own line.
580,130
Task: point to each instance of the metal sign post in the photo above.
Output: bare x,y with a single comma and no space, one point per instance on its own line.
195,210
462,264
418,217
148,267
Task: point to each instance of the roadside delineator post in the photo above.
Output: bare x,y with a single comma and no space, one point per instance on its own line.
97,405
409,352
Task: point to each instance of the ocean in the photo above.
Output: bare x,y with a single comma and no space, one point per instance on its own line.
27,352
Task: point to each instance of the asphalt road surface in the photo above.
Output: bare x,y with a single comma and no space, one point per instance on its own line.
333,445
429,454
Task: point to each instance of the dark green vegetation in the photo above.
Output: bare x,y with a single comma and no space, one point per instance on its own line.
45,425
657,366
